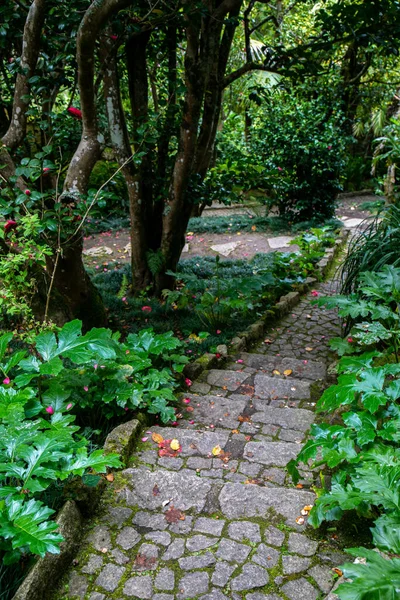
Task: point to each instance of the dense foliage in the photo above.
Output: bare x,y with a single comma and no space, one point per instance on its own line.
363,447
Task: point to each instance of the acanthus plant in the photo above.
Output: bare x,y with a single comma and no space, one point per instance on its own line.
44,393
362,447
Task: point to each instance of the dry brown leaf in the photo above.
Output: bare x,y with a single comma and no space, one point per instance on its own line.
299,486
144,562
157,438
110,477
337,571
156,490
244,418
235,430
173,515
253,228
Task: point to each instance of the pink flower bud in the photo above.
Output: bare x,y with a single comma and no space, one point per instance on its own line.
188,382
27,192
85,387
146,309
218,331
186,400
50,410
6,381
314,293
69,406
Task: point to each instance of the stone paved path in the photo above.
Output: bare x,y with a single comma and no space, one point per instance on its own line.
221,519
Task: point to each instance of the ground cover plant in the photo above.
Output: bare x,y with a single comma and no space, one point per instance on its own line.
362,446
375,245
214,299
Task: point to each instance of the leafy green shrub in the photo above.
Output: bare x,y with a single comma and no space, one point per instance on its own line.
302,149
39,442
363,449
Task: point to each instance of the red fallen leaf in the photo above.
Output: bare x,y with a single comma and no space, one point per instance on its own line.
144,562
173,515
156,490
189,409
247,438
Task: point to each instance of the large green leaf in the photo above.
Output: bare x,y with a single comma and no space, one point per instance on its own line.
386,533
336,395
27,525
377,579
371,386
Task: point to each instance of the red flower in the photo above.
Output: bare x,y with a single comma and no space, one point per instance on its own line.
9,225
218,355
188,381
27,192
280,169
114,37
146,309
314,293
350,340
75,112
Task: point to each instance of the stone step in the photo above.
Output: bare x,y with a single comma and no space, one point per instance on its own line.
185,491
225,379
273,388
301,369
287,418
218,411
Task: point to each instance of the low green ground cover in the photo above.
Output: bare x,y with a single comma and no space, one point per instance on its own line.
214,299
362,446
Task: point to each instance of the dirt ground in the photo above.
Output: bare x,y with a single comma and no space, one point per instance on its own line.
199,244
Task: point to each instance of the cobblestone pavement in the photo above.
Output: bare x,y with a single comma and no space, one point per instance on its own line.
221,519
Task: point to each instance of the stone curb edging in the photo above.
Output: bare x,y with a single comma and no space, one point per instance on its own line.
255,331
47,571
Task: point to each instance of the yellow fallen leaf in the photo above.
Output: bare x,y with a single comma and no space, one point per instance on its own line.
216,451
309,349
157,438
110,477
288,372
175,445
190,233
254,228
276,372
238,233
308,507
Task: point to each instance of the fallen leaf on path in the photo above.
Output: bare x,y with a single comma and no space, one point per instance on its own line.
144,562
110,477
216,451
300,520
309,349
337,571
156,490
288,372
157,438
175,445
244,418
173,515
267,341
276,372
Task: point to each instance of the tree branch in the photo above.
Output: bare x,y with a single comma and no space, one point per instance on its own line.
247,68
